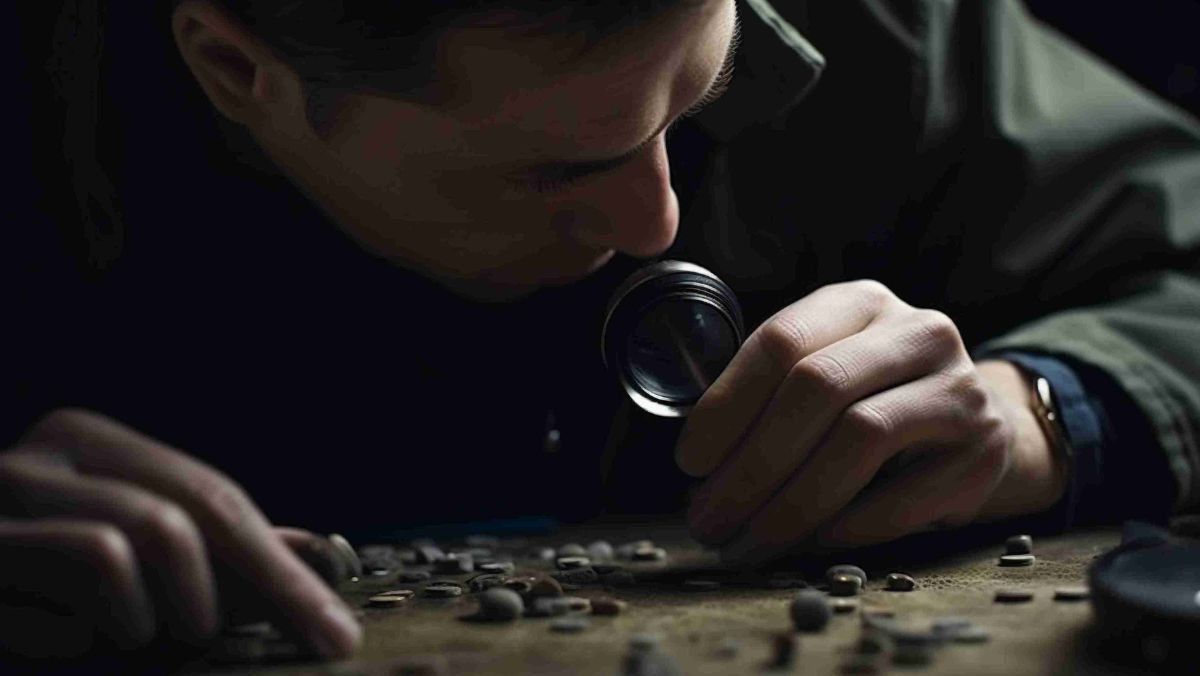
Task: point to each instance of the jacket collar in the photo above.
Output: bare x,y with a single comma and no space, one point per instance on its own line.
775,68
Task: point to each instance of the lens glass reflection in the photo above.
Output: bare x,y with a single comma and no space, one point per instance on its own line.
678,348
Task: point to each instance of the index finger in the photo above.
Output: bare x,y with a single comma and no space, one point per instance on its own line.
731,404
239,535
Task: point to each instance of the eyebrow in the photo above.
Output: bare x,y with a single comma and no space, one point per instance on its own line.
569,169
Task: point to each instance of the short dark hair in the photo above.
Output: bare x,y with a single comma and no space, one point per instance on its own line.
389,46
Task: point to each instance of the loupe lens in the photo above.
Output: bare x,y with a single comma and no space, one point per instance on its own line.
671,328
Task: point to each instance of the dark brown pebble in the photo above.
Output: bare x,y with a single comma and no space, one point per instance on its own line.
1071,594
607,606
900,582
1013,596
1017,560
1018,544
544,587
846,569
845,585
580,576
843,606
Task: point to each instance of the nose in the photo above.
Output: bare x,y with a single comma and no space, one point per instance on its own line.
633,210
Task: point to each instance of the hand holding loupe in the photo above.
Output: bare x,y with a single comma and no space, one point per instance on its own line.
670,329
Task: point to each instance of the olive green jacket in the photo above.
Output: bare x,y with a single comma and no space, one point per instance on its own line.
975,161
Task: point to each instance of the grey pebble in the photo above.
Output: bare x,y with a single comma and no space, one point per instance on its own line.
1017,560
649,662
845,585
1071,594
570,625
950,625
577,576
1018,544
900,582
427,552
553,606
442,590
845,569
346,551
843,606
500,567
500,605
627,550
809,611
543,554
650,554
454,564
1013,596
572,549
600,550
644,641
572,562
972,634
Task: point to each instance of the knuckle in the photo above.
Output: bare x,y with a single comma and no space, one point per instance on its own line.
220,501
873,290
938,331
866,422
109,551
170,526
823,373
786,339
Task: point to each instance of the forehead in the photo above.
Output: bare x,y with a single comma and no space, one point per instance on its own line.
536,96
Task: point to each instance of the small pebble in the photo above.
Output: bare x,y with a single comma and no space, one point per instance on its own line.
809,611
387,601
600,551
572,549
1018,544
845,569
1013,596
412,576
406,593
1071,594
627,550
502,567
454,564
500,605
550,606
843,606
576,576
701,585
644,642
900,582
783,651
947,627
1017,560
521,585
427,552
650,554
845,585
649,662
544,587
570,625
543,554
608,606
572,562
727,649
442,590
346,551
486,581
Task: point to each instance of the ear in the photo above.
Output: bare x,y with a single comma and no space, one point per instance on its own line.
238,72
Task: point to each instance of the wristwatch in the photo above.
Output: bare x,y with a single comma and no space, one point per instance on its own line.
1045,409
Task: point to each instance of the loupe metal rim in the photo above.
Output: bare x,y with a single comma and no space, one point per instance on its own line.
709,290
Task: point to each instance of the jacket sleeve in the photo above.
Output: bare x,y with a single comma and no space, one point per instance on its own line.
1092,187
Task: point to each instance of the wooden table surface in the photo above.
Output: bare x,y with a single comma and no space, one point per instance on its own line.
1043,636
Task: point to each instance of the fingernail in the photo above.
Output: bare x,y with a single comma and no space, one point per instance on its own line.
342,633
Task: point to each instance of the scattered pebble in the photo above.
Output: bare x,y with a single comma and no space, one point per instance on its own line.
846,569
627,550
600,550
900,582
549,606
1013,596
1018,544
406,593
486,581
608,606
346,551
570,625
643,642
1017,560
701,585
500,605
843,606
650,554
544,587
576,576
500,567
543,554
442,590
388,601
572,549
809,611
727,649
412,576
454,564
1072,594
845,585
427,552
572,562
521,585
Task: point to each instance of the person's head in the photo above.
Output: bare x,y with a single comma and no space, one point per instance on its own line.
493,146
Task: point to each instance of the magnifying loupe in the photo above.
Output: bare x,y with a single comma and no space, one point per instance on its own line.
669,331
